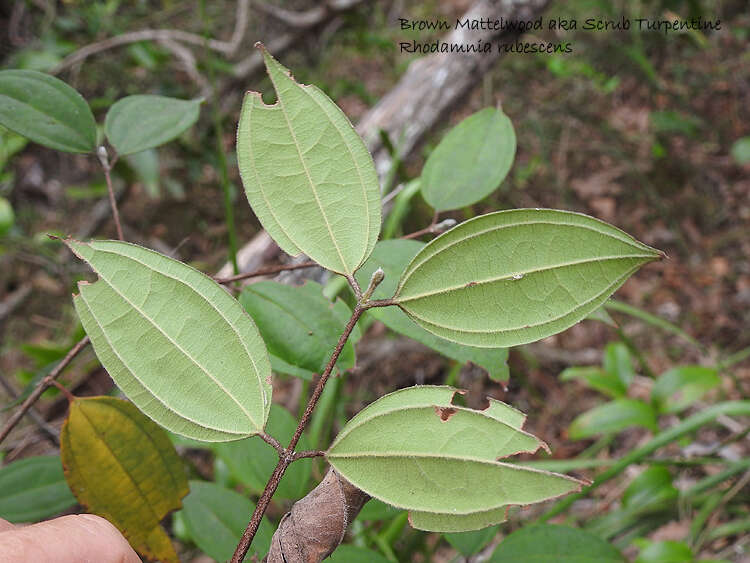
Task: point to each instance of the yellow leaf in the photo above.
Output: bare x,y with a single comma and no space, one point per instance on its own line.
122,466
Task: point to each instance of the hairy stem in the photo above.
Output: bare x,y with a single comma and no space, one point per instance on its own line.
289,455
41,387
107,166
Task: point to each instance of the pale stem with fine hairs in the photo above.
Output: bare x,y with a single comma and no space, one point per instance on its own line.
101,152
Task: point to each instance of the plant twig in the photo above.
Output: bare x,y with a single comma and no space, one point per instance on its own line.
107,166
289,456
41,387
308,453
433,228
162,35
268,439
42,424
265,271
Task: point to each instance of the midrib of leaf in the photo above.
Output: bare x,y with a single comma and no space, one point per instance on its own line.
525,326
356,165
350,428
411,457
432,249
132,372
211,303
41,116
307,174
510,276
144,497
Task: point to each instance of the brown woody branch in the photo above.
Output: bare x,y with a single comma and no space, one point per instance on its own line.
289,456
42,387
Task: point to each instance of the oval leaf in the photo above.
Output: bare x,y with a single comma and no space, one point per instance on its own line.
393,256
665,552
251,461
555,543
215,518
680,387
470,543
308,176
299,326
122,466
512,277
414,449
148,318
46,110
137,123
613,417
33,488
470,162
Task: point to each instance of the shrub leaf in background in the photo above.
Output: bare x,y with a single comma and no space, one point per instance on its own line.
137,123
299,325
416,450
680,387
470,543
33,488
555,543
512,277
122,466
613,417
470,162
215,518
307,174
149,319
46,110
251,461
393,256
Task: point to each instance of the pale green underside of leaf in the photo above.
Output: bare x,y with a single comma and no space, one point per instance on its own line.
182,349
414,449
307,174
393,256
137,123
435,522
512,277
470,162
46,110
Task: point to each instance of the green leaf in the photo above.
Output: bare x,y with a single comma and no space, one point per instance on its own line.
299,325
554,543
613,417
137,123
46,110
617,362
516,276
680,387
307,174
251,461
470,543
122,466
393,256
651,490
145,164
665,552
7,217
415,450
353,554
215,518
33,488
741,150
596,378
149,319
470,162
